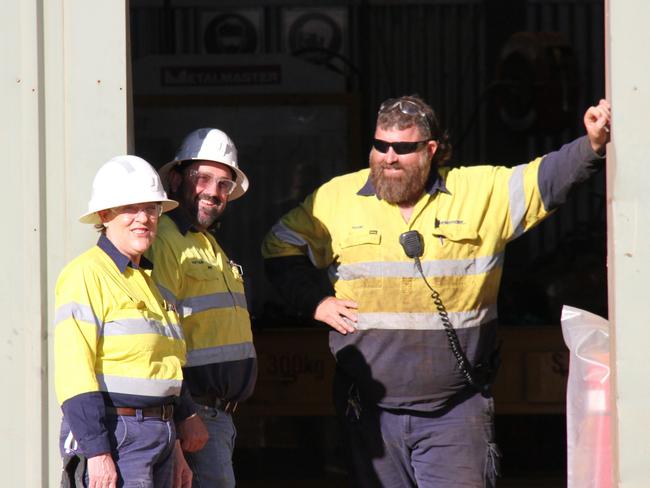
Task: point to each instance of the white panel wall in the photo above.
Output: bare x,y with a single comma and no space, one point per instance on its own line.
22,286
629,235
65,106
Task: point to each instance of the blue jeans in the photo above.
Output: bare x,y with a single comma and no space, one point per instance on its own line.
212,466
142,449
451,449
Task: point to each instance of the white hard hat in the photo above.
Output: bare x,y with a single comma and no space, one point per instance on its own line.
125,180
208,145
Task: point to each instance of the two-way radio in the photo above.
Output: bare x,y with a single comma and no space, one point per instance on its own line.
413,245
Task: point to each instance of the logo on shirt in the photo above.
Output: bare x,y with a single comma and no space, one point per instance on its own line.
438,223
201,262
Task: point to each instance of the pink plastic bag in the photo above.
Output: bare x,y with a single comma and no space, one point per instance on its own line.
588,412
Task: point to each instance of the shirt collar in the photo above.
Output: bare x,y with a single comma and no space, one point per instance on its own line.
180,219
120,260
435,183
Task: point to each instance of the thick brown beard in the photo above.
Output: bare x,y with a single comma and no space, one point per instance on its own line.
403,189
190,203
212,216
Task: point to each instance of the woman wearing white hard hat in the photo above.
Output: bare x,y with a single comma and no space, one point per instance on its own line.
118,347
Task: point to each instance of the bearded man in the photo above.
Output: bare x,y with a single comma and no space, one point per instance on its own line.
207,289
414,253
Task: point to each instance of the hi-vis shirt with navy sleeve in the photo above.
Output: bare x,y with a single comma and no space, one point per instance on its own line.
116,342
207,289
399,356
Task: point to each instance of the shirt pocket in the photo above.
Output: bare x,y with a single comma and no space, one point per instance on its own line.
360,237
204,287
362,259
361,245
459,241
450,258
203,276
210,287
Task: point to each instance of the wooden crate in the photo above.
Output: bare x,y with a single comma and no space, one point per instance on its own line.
534,371
295,373
296,370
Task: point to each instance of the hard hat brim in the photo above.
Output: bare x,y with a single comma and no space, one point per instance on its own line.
92,217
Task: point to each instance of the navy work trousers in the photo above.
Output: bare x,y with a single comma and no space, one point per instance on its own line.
142,449
454,448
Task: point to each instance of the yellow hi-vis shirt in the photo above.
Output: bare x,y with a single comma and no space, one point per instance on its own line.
465,231
207,289
116,342
113,332
399,357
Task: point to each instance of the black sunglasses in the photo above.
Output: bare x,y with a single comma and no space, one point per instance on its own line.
398,147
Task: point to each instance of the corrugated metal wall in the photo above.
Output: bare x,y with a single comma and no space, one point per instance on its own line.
447,51
434,49
582,22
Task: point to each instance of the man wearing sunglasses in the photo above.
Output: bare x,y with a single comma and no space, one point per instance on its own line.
415,341
206,288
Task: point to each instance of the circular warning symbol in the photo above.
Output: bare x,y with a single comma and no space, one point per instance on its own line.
230,34
316,36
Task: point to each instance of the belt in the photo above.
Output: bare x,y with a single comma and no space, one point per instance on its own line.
163,412
213,401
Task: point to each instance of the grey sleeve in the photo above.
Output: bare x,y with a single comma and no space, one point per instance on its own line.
561,170
298,282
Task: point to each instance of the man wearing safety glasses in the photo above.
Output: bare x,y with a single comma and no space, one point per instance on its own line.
414,253
207,289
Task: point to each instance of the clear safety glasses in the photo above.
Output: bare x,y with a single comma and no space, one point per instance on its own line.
151,210
406,107
224,185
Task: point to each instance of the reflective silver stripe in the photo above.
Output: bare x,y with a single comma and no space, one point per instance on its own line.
167,295
333,272
517,200
77,311
432,268
118,327
462,267
225,299
425,321
221,354
139,386
285,234
240,300
357,271
70,445
141,326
